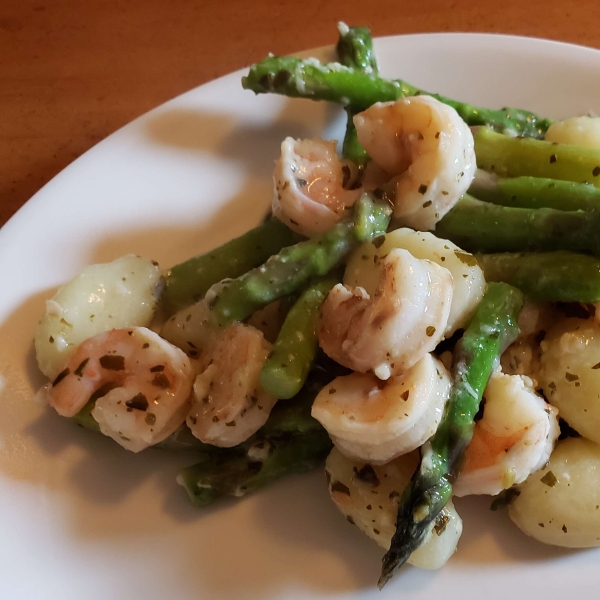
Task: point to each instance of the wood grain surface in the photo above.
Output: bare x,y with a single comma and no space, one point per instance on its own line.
74,71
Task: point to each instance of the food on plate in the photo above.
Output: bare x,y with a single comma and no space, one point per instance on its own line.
295,347
376,421
229,403
523,156
492,329
388,333
309,195
579,131
514,437
473,225
555,276
368,496
534,192
569,373
559,504
364,268
122,293
424,154
418,324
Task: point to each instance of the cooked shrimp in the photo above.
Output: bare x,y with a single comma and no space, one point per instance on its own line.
389,333
514,438
229,402
362,269
426,148
192,329
374,421
142,382
309,194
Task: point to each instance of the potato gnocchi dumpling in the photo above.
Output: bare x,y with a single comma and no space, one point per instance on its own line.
469,283
570,374
121,293
368,496
560,505
578,131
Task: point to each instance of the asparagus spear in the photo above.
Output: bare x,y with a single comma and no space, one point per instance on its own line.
334,82
355,50
534,192
289,362
481,227
492,329
551,276
294,266
291,441
512,157
187,282
236,473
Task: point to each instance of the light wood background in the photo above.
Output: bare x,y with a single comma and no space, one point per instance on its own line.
73,71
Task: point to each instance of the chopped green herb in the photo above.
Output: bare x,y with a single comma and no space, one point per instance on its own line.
549,479
138,402
367,474
112,362
338,486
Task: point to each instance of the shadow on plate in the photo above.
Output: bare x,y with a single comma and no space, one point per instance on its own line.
255,146
502,540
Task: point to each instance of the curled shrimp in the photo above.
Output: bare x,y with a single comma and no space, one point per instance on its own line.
229,402
142,384
514,438
426,148
390,332
309,194
376,421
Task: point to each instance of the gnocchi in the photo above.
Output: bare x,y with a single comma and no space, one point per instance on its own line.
368,496
469,283
570,373
122,293
560,505
579,131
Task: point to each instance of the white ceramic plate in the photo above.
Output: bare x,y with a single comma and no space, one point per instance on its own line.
81,518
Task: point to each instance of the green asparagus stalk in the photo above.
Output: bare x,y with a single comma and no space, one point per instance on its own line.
291,441
294,416
355,50
292,355
512,157
334,82
482,227
492,329
549,276
534,192
293,267
263,462
187,282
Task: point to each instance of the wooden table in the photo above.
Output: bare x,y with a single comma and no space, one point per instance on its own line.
73,71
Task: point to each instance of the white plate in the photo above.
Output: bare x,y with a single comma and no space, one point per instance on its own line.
81,518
